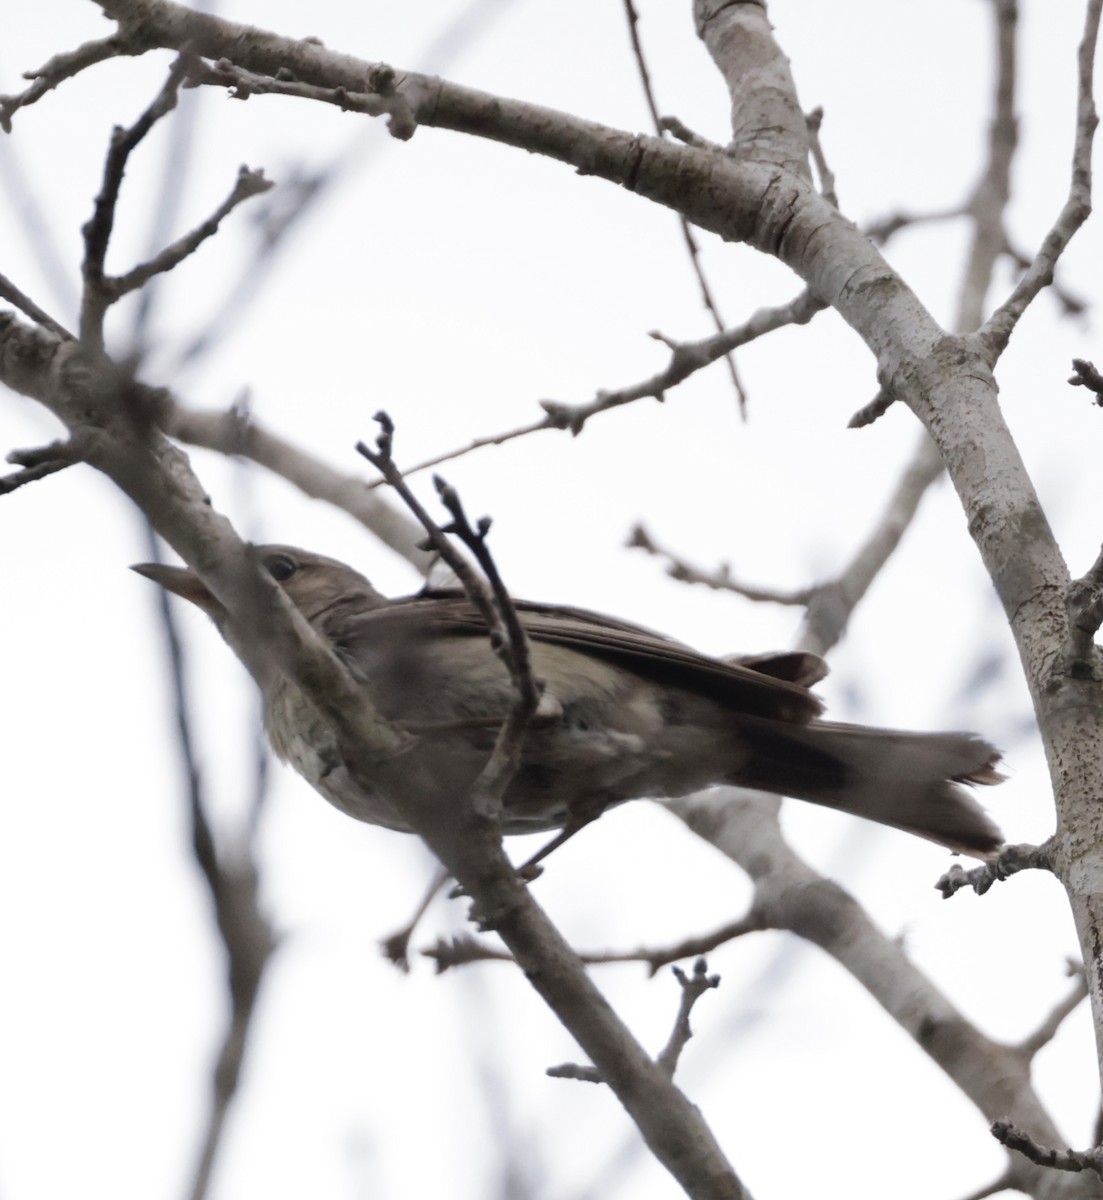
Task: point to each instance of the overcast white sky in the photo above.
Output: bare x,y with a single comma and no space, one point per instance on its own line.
456,284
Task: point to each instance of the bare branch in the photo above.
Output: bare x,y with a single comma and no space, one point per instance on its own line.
767,123
9,292
379,97
97,297
997,331
102,290
996,1078
692,247
18,479
656,957
814,122
462,949
1085,609
1084,374
459,951
237,432
496,439
693,988
250,941
876,408
686,359
1047,1030
680,130
505,760
887,227
233,880
719,580
64,66
830,606
382,459
37,464
1011,860
248,184
575,1071
1068,1160
396,946
507,635
988,205
1071,304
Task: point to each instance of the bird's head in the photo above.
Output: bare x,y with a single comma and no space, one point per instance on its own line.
313,583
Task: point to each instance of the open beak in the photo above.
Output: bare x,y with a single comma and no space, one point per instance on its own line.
182,582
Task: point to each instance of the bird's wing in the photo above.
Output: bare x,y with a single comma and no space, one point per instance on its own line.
766,685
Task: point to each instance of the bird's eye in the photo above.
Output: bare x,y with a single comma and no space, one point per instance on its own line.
280,567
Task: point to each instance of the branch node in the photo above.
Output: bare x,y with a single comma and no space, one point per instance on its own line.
1010,861
1014,1138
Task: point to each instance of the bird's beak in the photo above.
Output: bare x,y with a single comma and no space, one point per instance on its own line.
183,583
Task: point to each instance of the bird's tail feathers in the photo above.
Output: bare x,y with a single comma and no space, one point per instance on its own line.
912,781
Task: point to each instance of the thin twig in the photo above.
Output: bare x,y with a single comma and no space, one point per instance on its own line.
494,439
692,246
235,431
997,331
987,207
18,479
505,759
379,97
1085,374
693,986
1047,1030
232,879
459,951
9,292
64,66
1084,605
249,183
1071,304
831,605
396,946
1068,1160
873,410
884,229
462,949
301,192
719,580
814,121
507,635
679,130
41,461
686,358
657,957
1011,860
382,458
97,298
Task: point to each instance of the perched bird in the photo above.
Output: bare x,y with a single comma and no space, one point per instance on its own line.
634,714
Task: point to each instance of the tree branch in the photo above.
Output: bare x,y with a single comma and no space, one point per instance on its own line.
792,896
97,296
64,66
692,247
997,331
269,635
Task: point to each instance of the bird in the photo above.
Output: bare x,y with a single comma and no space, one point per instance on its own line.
633,714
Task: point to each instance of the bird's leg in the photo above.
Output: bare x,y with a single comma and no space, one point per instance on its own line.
397,946
578,818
